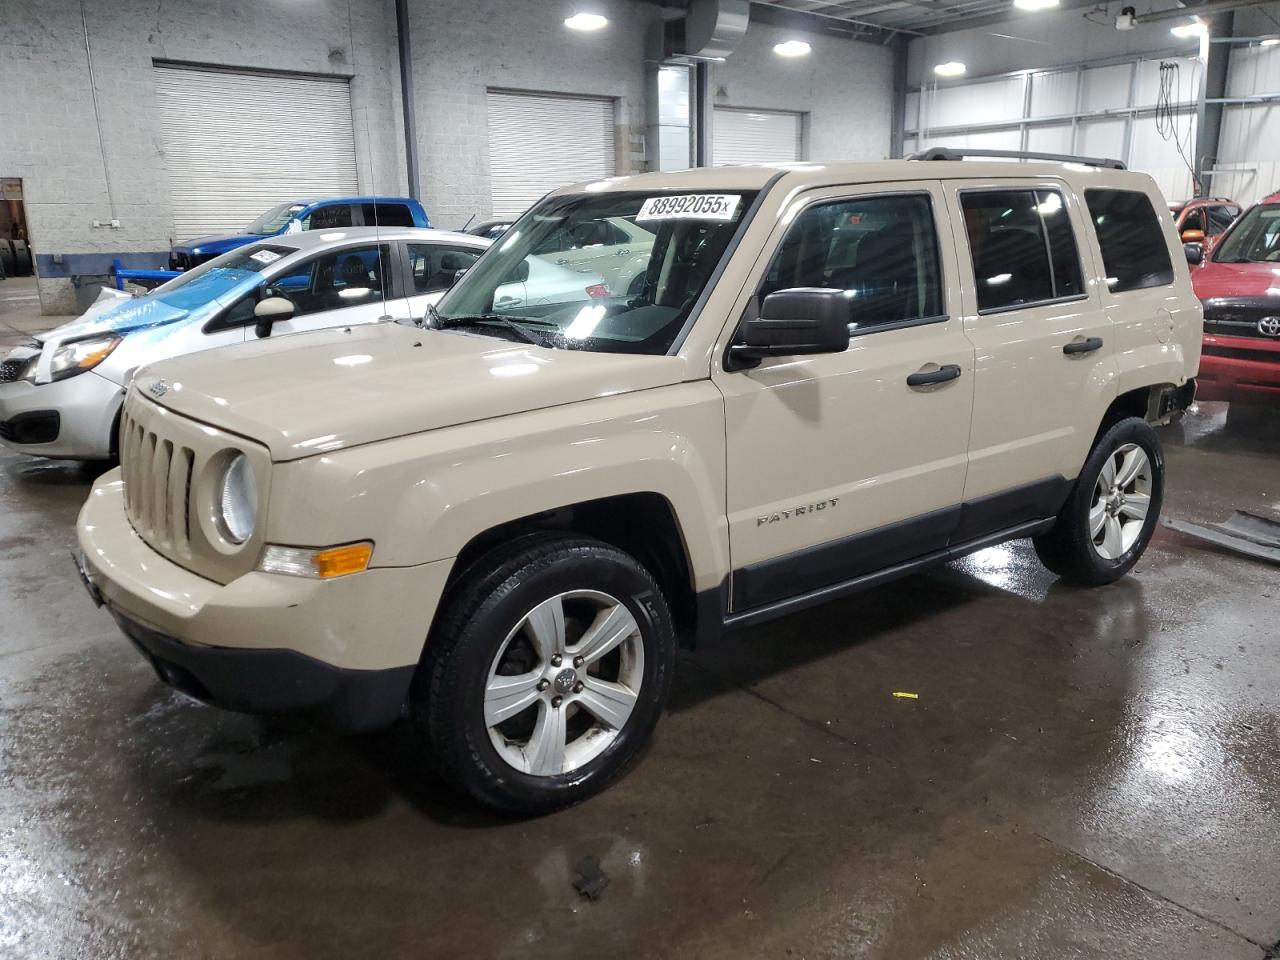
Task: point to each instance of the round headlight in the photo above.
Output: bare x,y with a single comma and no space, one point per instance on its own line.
238,499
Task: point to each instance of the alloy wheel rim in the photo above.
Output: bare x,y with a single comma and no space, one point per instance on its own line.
564,682
1121,500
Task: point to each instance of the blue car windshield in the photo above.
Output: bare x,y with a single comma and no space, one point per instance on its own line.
219,276
274,220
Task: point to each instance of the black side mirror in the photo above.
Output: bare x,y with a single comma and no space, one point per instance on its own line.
270,311
796,322
1194,252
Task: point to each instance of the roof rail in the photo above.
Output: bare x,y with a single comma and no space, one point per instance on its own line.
954,153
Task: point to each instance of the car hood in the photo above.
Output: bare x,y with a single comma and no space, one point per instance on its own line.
207,245
1215,280
318,392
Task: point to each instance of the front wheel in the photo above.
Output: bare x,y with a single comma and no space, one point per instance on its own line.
1111,514
546,674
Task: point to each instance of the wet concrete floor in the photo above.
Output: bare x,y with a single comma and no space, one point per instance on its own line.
1086,773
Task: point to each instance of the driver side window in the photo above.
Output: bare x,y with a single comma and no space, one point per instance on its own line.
881,250
350,277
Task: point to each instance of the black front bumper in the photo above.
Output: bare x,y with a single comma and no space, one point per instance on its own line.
275,682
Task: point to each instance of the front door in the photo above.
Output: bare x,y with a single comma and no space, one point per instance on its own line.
841,464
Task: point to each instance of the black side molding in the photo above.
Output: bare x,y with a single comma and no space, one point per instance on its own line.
749,618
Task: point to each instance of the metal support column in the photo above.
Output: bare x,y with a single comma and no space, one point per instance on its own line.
702,115
897,132
1132,101
1216,58
406,99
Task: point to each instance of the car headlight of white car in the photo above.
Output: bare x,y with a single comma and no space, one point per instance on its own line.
237,494
77,356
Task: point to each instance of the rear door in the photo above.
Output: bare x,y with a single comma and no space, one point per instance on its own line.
1044,346
431,269
1146,299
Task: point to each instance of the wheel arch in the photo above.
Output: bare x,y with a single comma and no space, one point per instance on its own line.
643,524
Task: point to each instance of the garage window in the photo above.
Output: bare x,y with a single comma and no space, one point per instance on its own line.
1134,253
1022,248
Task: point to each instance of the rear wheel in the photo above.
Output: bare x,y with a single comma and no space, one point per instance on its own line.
546,674
1111,514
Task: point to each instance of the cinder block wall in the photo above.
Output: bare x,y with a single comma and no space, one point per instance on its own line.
845,88
48,133
518,46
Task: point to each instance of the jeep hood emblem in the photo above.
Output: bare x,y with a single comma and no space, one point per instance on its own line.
158,388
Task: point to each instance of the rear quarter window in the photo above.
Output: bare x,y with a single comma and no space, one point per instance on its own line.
1134,253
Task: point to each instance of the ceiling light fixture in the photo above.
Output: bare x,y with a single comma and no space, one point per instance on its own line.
952,68
586,22
1270,42
1035,4
1196,28
792,48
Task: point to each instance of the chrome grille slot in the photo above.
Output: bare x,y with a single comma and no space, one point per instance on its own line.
157,486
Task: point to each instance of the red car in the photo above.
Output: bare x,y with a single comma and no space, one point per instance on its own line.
1239,285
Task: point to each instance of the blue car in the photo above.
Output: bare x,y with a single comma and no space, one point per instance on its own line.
298,215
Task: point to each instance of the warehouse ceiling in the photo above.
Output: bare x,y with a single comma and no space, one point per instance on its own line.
908,16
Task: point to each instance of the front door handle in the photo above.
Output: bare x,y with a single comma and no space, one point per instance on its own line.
923,378
1082,346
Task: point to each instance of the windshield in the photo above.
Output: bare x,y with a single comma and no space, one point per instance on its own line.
615,272
274,220
212,279
1254,238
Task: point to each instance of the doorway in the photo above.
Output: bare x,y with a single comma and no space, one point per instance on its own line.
16,259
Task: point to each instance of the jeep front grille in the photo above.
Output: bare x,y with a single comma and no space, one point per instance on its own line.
157,480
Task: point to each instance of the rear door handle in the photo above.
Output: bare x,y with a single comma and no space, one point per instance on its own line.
1082,346
922,378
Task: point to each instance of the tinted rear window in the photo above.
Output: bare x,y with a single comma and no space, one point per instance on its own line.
1134,253
387,215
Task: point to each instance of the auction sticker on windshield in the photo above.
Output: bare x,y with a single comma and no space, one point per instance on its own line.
265,256
691,206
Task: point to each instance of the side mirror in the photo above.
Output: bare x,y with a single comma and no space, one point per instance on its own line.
796,322
1194,252
1193,236
519,273
270,311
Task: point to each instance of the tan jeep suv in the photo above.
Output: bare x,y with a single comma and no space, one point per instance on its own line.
502,524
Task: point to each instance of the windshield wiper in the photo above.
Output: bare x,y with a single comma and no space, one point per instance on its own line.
527,334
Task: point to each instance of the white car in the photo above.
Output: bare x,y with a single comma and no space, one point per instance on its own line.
615,248
61,395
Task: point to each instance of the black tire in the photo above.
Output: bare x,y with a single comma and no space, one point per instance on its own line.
492,599
6,257
1068,549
